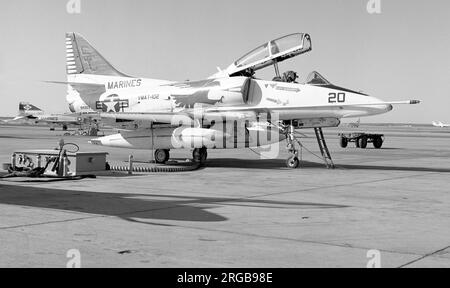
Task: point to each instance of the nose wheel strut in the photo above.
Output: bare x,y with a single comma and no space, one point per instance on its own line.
293,161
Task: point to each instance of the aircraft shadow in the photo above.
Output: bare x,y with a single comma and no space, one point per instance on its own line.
15,137
281,165
246,163
393,168
140,208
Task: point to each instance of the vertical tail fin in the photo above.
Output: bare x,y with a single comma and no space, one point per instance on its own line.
82,58
28,109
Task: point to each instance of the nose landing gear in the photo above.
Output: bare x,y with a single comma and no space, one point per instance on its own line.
293,161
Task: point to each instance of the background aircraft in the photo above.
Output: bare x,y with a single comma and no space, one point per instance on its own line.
28,113
231,109
440,124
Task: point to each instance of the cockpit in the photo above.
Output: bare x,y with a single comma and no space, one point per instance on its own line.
274,52
271,53
315,78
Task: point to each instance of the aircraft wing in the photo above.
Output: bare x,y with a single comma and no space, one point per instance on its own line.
61,122
187,116
156,117
25,117
19,118
278,108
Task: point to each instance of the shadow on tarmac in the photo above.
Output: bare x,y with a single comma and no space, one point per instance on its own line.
280,164
139,207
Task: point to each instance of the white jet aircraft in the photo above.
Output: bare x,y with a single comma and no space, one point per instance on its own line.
440,124
30,113
231,109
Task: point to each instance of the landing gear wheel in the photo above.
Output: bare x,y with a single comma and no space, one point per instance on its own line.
357,142
292,162
343,142
377,142
64,127
200,155
162,156
363,142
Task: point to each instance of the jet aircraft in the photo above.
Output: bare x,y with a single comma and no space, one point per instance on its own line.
231,109
440,124
28,113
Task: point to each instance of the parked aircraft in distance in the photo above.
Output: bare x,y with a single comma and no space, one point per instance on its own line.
28,113
440,124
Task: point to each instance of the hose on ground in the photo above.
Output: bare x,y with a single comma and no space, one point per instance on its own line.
156,169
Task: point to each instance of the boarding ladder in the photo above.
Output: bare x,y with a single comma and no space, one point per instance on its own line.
324,148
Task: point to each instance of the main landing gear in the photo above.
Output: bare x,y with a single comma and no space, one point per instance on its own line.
162,156
199,155
293,161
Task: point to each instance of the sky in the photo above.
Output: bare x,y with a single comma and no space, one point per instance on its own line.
399,54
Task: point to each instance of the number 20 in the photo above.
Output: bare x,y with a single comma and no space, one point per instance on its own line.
336,98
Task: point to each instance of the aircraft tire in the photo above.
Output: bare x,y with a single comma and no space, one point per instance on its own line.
343,142
292,162
378,142
200,155
64,127
162,156
357,143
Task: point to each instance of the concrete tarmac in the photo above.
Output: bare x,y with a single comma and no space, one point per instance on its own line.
240,210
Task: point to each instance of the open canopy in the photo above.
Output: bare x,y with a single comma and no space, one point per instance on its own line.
272,52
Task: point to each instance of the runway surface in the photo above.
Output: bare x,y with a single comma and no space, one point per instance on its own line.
240,210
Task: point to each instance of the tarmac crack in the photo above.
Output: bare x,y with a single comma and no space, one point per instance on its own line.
334,186
49,222
424,256
345,245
